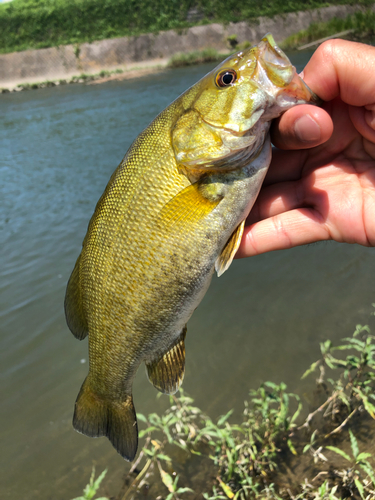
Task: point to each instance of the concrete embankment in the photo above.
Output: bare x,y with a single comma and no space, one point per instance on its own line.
149,49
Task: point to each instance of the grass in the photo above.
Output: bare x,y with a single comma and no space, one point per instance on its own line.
362,24
196,57
31,24
207,55
82,78
247,459
92,487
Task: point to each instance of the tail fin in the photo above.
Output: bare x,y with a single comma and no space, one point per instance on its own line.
117,420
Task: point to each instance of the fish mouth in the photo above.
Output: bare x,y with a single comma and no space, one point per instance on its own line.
267,85
281,73
300,92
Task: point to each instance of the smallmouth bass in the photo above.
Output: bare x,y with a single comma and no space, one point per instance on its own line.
172,213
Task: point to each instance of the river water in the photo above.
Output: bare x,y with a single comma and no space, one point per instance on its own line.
262,320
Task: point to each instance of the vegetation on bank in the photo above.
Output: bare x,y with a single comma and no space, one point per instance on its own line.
26,24
195,57
362,25
258,457
206,55
82,78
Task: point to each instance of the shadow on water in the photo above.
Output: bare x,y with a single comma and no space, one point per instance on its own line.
261,321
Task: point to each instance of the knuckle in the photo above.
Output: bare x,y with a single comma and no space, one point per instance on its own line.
329,49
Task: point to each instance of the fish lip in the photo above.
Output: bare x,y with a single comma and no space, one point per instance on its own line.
298,89
315,99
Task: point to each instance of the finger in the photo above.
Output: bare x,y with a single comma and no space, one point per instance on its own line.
287,230
364,121
302,127
342,68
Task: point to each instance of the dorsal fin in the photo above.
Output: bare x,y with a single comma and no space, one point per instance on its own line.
167,372
225,258
74,312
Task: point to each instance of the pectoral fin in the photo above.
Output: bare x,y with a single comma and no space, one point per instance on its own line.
74,312
167,372
230,249
187,208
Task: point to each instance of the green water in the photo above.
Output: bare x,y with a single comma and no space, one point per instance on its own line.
262,320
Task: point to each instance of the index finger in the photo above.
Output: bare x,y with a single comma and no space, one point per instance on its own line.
342,68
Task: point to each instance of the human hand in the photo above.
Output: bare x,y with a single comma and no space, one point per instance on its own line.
321,182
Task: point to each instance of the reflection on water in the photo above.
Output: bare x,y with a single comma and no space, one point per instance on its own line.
261,320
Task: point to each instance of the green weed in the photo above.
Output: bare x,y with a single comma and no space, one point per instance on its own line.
90,489
352,477
249,456
362,25
353,391
196,57
234,45
26,24
82,78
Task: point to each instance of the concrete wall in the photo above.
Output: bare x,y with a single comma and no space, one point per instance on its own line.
65,61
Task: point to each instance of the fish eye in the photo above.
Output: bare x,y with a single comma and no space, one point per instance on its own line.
226,77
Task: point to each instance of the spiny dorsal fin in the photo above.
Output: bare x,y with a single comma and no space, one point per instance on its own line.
167,372
225,258
74,313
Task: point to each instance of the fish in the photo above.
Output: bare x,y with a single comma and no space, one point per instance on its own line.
172,213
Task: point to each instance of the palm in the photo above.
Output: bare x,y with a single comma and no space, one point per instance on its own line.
341,191
327,192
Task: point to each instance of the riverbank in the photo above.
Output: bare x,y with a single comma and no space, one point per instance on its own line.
357,27
132,71
135,53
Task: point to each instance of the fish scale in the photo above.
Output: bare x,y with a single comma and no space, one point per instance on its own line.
172,213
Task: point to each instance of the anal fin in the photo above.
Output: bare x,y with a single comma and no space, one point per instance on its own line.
227,255
167,372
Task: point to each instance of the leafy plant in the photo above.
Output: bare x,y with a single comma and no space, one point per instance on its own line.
323,492
249,456
90,489
353,391
171,484
353,476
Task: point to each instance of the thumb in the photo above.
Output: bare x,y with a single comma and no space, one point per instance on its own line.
301,127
